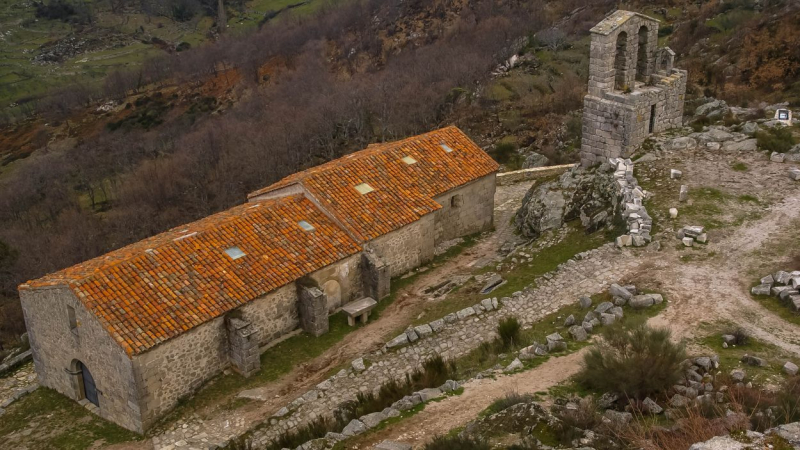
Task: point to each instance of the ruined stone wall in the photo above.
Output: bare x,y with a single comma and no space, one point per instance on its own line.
55,348
408,247
466,210
627,88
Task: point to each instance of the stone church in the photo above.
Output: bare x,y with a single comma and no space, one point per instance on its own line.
130,333
634,90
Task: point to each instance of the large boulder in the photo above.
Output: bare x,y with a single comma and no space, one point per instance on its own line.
715,109
535,160
586,194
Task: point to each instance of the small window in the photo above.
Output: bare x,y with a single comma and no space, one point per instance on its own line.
305,225
409,160
364,188
73,321
235,253
446,148
455,201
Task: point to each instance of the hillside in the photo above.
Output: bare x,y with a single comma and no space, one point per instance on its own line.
77,174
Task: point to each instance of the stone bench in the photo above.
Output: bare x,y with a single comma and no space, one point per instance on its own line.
359,308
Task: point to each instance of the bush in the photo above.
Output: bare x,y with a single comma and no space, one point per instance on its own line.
775,139
507,401
504,152
636,362
741,336
509,331
700,123
456,443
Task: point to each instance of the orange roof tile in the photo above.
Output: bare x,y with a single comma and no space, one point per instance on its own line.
157,288
402,192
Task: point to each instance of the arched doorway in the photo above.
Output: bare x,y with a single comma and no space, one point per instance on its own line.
86,386
333,291
641,57
619,61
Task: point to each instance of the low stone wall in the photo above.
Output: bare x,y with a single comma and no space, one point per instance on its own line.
535,173
12,363
638,222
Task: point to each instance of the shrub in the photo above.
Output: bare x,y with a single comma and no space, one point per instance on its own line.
739,166
507,401
509,331
740,335
637,362
504,152
456,443
775,139
700,123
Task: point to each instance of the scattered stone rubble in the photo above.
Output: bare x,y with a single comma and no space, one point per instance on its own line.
638,221
782,285
691,234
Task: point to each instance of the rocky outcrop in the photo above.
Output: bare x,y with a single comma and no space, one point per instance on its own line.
590,195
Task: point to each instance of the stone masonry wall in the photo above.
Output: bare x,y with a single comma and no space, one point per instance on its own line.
272,315
347,273
473,213
408,247
178,367
55,348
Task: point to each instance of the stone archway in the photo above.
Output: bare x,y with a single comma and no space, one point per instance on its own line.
620,61
333,291
83,383
642,58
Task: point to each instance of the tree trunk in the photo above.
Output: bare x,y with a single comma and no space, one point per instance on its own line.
222,18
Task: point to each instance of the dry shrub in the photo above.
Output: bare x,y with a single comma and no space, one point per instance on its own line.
694,426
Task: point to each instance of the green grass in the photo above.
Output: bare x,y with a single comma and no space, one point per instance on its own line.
739,166
730,357
59,422
780,309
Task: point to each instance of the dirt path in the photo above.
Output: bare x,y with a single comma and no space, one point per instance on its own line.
440,417
717,288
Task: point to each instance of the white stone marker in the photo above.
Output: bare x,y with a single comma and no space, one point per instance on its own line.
675,174
673,213
684,195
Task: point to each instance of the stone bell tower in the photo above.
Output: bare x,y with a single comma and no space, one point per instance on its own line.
634,90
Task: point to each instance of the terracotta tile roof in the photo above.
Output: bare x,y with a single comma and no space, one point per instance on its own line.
402,192
160,287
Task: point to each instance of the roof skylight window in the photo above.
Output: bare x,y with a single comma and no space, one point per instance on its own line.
305,225
364,188
446,148
408,160
235,253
